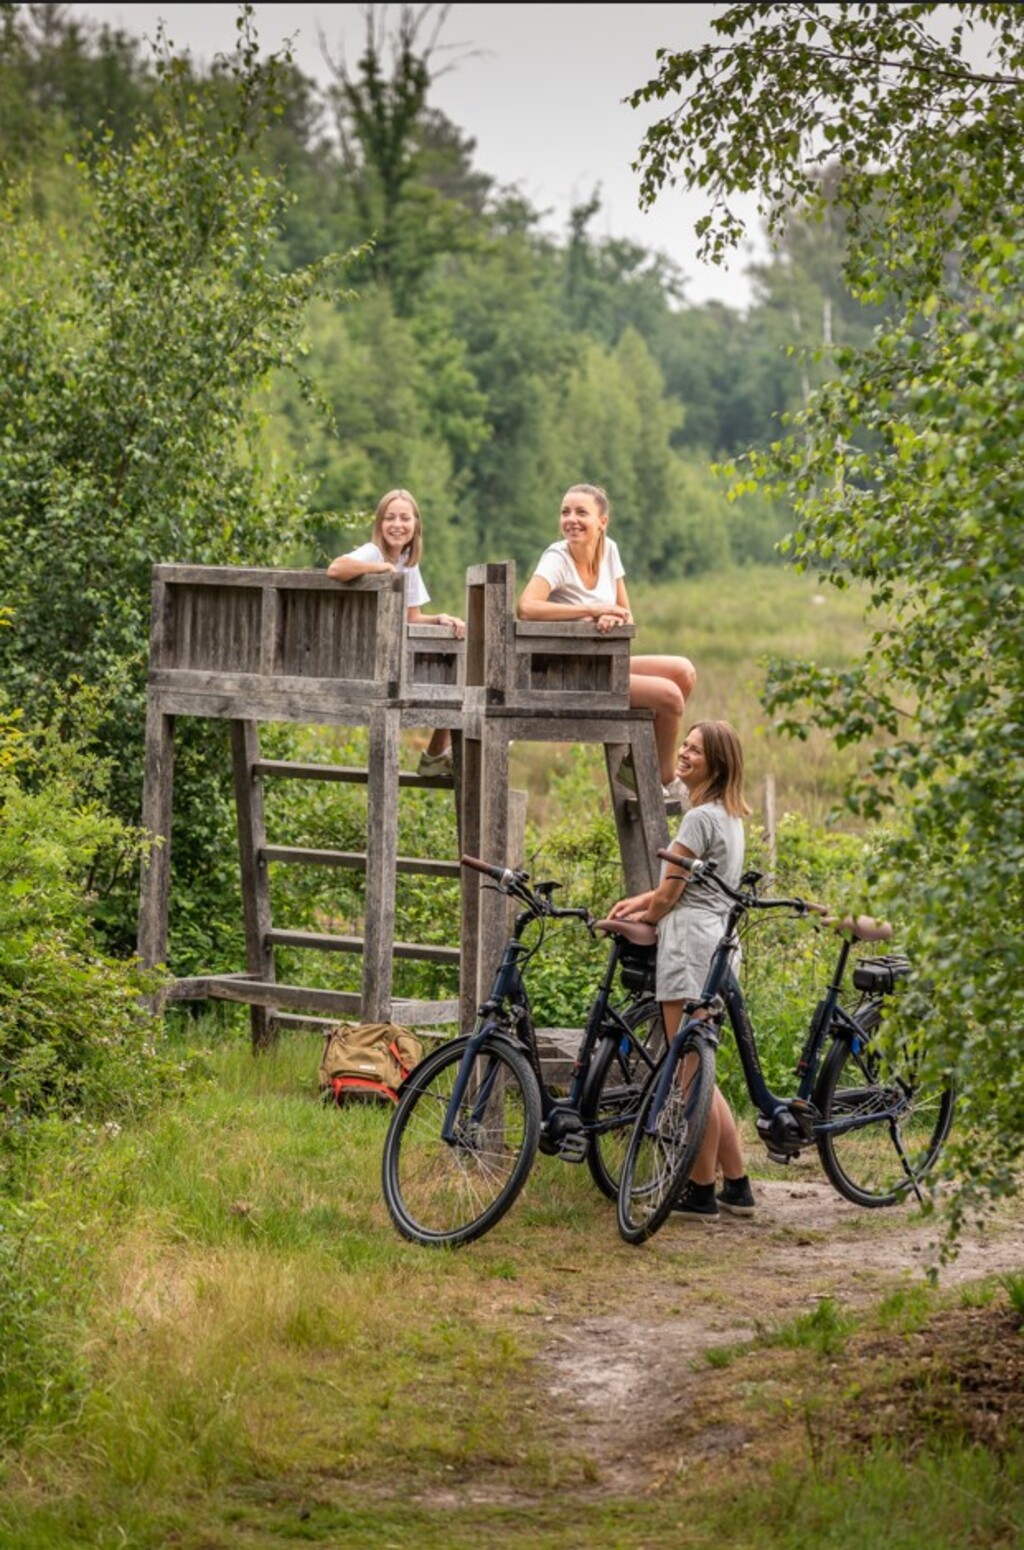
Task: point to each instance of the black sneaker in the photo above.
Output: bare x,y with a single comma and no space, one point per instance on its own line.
697,1205
737,1197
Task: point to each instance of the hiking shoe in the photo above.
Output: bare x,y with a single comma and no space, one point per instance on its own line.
675,791
697,1205
435,763
737,1197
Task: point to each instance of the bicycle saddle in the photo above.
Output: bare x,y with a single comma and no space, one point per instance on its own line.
636,931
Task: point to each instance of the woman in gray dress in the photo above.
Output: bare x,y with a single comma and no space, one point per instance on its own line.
690,916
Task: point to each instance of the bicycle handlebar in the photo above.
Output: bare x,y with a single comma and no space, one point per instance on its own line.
706,871
502,875
537,899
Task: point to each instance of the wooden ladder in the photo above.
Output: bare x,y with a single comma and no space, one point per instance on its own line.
251,646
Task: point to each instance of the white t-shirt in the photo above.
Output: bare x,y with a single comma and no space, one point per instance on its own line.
557,568
416,593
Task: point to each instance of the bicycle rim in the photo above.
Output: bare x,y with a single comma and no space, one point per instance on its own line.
441,1192
663,1148
887,1127
621,1068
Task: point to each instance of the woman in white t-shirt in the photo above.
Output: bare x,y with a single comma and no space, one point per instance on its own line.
690,916
582,577
397,545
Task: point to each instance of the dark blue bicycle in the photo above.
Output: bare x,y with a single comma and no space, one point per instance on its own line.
877,1124
472,1116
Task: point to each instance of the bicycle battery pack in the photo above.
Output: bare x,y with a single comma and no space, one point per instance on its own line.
637,967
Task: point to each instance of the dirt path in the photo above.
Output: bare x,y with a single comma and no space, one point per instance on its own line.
723,1286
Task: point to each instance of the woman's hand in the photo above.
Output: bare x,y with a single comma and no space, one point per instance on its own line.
611,616
457,626
632,909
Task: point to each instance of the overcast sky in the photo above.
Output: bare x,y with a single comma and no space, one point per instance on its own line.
538,87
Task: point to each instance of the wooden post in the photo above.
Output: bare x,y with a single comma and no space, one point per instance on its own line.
252,841
768,821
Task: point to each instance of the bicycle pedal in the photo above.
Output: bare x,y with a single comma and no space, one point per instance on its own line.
781,1157
574,1147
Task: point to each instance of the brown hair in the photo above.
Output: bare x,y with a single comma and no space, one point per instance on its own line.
723,757
603,505
414,548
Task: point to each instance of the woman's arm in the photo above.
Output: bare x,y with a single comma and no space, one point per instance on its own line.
535,603
654,905
347,568
417,616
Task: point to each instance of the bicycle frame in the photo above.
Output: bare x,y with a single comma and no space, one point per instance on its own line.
785,1124
506,1014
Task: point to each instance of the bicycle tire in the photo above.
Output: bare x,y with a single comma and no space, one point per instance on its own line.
879,1161
614,1088
659,1161
440,1193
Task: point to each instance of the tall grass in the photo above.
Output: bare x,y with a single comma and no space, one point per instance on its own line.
728,624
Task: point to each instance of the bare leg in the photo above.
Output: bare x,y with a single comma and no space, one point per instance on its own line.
440,741
663,684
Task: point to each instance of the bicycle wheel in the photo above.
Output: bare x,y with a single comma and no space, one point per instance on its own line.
612,1096
663,1148
883,1127
450,1192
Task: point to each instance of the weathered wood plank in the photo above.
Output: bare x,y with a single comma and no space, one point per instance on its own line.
322,941
340,1003
252,839
157,821
355,860
413,1014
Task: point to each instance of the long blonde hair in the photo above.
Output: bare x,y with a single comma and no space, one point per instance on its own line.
723,756
414,548
603,505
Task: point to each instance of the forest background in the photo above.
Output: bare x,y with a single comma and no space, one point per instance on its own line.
215,364
204,357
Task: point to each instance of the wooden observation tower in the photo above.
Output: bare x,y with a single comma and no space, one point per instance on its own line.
251,646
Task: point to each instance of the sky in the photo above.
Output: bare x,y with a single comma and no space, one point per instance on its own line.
540,89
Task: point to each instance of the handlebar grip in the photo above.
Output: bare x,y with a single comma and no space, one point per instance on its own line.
499,873
692,864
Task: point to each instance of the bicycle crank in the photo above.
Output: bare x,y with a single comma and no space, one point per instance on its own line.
563,1136
788,1129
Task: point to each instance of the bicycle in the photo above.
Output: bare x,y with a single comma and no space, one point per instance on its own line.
878,1129
472,1116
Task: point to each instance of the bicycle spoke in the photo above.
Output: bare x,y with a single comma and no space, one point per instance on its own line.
664,1144
613,1096
452,1190
882,1128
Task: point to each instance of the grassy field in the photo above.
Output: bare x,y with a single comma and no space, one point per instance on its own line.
728,624
245,1354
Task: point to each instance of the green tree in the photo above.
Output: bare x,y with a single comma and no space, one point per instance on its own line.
405,165
905,466
131,349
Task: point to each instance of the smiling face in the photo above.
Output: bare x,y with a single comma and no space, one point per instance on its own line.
691,765
582,520
397,525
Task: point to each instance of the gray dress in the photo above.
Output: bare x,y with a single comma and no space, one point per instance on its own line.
689,933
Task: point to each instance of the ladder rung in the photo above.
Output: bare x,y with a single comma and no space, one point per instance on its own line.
293,770
356,860
428,951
